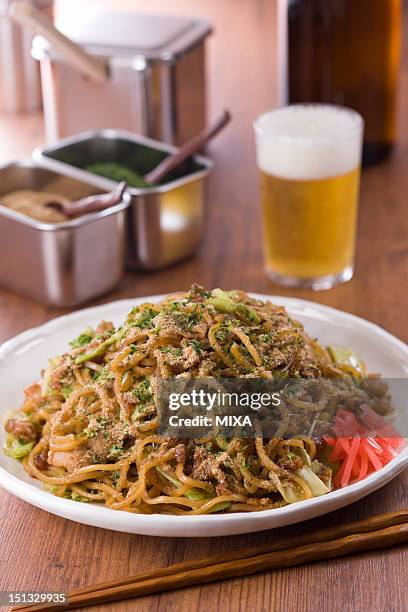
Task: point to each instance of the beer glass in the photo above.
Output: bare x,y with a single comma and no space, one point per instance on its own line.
309,158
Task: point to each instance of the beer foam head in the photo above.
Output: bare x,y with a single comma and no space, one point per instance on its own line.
309,141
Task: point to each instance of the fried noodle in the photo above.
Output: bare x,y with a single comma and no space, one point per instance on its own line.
88,429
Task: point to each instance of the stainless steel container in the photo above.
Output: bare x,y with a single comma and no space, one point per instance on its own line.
164,223
20,88
63,264
156,84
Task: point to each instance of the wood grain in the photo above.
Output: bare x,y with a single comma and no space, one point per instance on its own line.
39,551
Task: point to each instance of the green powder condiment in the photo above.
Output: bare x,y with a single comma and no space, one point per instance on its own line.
118,173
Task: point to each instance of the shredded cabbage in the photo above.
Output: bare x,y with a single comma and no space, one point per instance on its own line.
16,449
314,483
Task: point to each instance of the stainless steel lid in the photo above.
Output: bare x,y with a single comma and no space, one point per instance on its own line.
130,35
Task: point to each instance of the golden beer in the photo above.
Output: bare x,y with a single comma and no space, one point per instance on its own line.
309,160
309,226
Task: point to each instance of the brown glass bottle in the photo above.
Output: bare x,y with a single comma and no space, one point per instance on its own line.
346,52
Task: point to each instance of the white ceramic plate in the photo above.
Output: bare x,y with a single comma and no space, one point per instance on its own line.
22,358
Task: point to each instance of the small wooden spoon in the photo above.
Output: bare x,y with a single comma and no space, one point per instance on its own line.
90,204
30,18
187,150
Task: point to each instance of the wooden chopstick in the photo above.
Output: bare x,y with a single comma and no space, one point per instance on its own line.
373,523
375,532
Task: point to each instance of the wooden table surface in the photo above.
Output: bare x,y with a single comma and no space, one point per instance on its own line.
40,551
